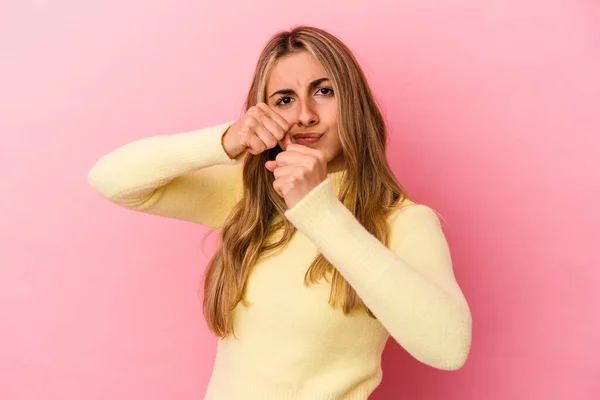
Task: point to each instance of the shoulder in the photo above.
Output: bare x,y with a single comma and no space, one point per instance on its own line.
408,213
415,224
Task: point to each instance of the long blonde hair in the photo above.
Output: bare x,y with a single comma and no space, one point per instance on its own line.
370,189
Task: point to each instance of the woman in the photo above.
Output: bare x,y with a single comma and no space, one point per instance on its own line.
323,256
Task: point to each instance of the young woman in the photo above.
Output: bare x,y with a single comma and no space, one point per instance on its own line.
322,254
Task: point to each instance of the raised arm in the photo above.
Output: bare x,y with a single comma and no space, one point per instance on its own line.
410,287
187,176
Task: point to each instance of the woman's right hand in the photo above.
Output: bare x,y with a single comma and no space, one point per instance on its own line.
259,129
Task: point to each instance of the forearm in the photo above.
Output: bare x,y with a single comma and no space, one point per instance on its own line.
412,293
136,169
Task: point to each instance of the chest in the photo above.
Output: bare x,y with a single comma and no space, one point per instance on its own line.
280,301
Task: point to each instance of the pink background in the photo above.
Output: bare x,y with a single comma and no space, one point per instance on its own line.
494,114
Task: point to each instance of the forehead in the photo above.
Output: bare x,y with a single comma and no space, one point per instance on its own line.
294,71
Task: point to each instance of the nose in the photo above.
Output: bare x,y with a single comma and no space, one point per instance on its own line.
307,114
305,117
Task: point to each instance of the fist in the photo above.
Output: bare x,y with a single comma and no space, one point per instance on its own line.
298,170
259,129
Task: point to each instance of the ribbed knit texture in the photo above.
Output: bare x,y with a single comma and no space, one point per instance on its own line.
291,344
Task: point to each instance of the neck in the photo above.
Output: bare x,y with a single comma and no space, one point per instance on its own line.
336,165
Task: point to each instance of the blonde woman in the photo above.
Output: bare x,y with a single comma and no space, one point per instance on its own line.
322,255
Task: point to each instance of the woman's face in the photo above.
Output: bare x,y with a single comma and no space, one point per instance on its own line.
299,90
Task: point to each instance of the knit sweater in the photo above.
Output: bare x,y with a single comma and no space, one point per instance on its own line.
290,343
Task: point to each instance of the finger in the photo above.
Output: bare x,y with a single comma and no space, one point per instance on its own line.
280,171
273,128
308,151
271,165
265,136
286,158
254,143
261,113
302,149
278,187
282,122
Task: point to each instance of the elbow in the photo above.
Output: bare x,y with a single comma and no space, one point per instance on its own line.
447,344
458,345
109,184
454,361
93,176
453,358
101,177
97,180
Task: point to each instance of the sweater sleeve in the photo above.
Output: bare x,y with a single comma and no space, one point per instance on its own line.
186,176
410,287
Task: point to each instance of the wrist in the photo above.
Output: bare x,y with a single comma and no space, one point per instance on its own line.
226,145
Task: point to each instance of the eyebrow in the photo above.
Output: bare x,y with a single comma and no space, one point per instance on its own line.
312,85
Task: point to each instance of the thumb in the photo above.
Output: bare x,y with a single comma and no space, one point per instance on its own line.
271,165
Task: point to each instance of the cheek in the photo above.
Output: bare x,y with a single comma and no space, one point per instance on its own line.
288,113
329,115
333,145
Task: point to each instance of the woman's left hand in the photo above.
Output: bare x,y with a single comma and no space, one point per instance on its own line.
298,170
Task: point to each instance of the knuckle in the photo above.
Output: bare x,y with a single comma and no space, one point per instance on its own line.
280,133
254,111
252,122
245,131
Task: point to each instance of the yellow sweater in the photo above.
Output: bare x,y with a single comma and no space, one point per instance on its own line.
290,343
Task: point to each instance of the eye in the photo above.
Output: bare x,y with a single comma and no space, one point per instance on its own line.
282,101
328,91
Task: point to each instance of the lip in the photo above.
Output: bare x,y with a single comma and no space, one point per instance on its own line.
306,135
307,141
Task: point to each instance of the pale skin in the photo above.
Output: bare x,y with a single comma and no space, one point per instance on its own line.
299,99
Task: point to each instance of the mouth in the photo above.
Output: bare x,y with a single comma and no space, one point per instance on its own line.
306,138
